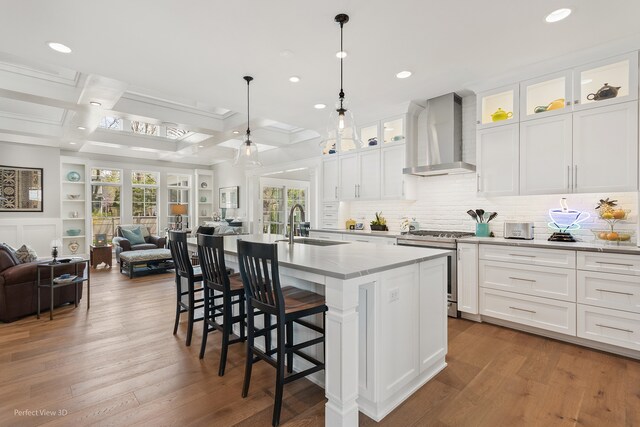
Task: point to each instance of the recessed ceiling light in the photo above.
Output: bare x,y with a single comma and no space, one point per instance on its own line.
59,47
341,54
201,146
81,128
294,79
558,15
403,74
236,132
286,53
319,106
72,143
95,103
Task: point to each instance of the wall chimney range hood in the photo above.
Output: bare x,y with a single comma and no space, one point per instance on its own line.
437,150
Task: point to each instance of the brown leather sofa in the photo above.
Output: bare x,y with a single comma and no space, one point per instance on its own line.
18,292
122,244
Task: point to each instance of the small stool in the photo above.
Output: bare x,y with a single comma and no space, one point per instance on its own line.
100,254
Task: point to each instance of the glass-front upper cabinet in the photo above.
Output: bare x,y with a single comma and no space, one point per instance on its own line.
546,96
606,82
393,130
370,135
498,106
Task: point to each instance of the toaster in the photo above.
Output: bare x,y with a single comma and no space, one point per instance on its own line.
518,230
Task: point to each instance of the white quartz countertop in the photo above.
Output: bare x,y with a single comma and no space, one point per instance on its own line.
541,243
343,261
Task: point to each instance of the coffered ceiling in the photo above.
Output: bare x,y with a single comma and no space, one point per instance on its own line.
180,64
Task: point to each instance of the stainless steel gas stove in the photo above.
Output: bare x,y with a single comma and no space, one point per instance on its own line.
438,239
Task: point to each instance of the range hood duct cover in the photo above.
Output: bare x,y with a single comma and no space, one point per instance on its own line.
438,148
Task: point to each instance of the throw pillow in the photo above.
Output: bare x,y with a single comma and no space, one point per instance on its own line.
11,251
26,254
134,236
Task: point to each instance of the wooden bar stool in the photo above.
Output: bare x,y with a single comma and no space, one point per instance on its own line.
184,269
261,279
222,292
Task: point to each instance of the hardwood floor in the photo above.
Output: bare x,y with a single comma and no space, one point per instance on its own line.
118,364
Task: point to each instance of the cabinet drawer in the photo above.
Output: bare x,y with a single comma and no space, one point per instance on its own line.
612,263
331,225
531,256
609,326
543,313
330,207
549,282
330,215
617,291
369,239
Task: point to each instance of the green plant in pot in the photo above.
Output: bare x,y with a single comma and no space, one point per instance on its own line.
380,223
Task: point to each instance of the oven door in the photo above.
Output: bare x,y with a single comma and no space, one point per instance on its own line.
452,273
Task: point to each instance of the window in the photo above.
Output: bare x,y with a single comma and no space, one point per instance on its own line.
109,122
179,187
106,186
278,197
144,128
144,196
273,207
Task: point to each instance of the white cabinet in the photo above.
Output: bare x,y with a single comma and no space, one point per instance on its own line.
498,107
609,326
330,179
546,155
546,96
360,175
498,158
519,285
392,184
589,80
468,278
605,148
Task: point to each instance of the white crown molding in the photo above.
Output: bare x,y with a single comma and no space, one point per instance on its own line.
51,73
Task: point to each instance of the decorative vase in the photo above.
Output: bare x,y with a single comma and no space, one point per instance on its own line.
73,246
203,199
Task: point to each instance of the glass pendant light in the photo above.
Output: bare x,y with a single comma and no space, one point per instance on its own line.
247,154
341,128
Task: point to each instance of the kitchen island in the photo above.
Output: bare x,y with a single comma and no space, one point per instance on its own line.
386,330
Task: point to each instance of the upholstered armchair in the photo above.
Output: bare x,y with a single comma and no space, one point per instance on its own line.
148,241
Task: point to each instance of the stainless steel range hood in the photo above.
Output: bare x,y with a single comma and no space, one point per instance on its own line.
437,150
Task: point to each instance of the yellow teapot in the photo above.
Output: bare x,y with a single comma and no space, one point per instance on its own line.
501,115
556,105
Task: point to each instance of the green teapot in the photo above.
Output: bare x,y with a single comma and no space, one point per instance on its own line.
501,115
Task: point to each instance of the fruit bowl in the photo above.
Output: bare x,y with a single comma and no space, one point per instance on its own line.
614,215
622,236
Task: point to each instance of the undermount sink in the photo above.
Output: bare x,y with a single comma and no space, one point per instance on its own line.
315,242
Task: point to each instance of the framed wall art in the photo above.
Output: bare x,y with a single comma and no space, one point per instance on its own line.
20,189
229,197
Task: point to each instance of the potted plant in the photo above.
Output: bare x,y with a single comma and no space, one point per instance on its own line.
380,223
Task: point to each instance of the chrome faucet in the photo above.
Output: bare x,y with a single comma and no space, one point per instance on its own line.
297,205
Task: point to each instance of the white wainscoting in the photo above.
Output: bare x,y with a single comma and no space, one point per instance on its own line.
37,233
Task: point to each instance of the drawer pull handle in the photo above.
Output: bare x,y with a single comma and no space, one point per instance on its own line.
613,327
522,309
614,292
520,278
614,263
528,256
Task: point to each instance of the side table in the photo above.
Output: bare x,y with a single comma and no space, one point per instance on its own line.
51,285
100,254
